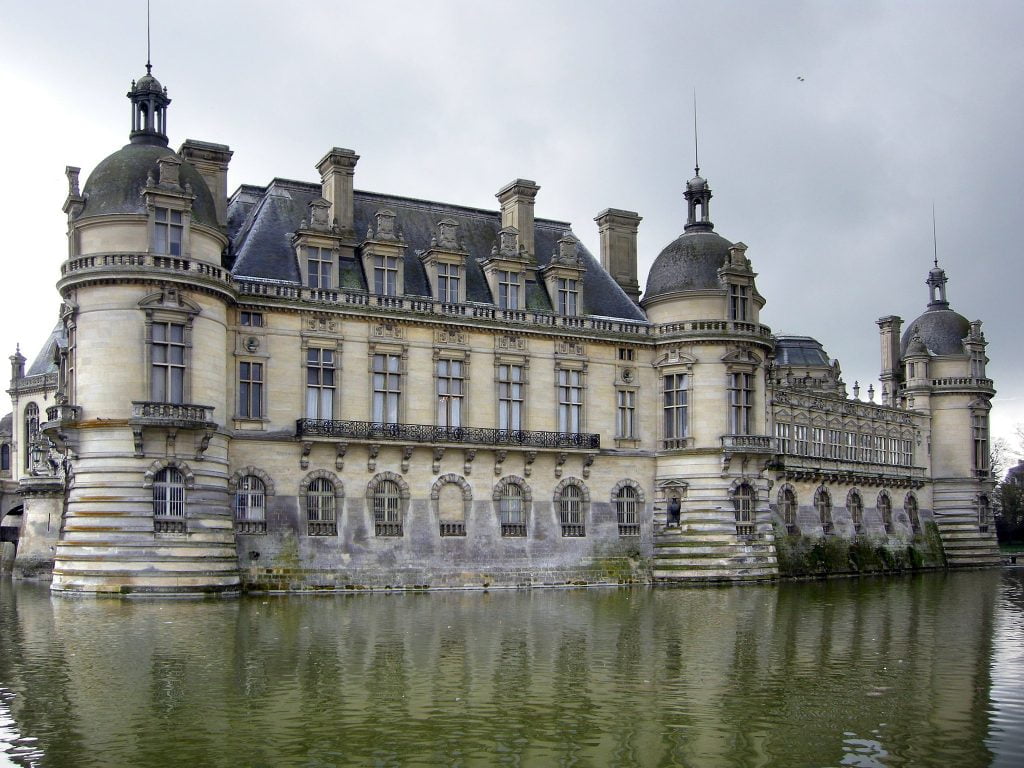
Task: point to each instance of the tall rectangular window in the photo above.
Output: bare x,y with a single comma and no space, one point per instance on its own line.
864,451
892,445
319,383
625,418
739,304
570,400
387,389
978,364
818,442
568,297
850,446
782,433
250,390
741,395
448,278
168,230
385,275
508,289
510,397
449,393
318,267
979,426
907,453
799,439
835,444
675,387
167,383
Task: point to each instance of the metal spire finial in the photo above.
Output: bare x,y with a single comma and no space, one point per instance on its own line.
149,65
935,240
696,162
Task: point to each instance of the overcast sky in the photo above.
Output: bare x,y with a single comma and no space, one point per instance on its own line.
827,131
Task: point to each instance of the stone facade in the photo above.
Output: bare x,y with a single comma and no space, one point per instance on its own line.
306,386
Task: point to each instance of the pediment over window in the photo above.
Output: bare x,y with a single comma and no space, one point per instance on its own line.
674,356
169,299
742,357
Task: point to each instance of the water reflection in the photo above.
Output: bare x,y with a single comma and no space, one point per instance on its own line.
871,672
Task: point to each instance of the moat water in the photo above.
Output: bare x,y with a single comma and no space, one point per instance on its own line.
910,671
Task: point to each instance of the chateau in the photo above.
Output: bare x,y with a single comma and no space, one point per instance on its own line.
305,385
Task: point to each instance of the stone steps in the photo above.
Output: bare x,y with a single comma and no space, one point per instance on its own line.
965,545
711,551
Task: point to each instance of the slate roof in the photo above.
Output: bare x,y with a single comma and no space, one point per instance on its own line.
262,221
44,360
800,351
116,184
941,330
689,263
7,424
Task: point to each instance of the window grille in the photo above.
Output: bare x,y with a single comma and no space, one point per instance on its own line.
511,511
570,512
676,406
320,512
169,501
823,503
627,506
387,509
857,511
250,506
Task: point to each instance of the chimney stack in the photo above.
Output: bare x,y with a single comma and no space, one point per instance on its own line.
516,200
211,160
618,247
337,170
891,374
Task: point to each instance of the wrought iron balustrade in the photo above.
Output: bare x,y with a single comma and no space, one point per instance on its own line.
429,434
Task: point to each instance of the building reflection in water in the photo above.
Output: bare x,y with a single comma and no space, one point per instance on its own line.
888,671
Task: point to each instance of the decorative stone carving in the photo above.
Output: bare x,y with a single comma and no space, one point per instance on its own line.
531,456
406,457
447,236
450,337
339,457
387,331
574,348
516,344
499,459
438,455
588,462
559,463
469,454
304,459
322,324
373,450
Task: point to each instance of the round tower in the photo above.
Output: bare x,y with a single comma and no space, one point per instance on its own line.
145,310
702,297
943,356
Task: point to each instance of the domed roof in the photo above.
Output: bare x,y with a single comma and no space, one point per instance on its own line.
689,263
697,184
116,184
941,330
148,83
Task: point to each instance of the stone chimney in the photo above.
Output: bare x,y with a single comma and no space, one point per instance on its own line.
211,160
889,328
617,230
337,171
516,200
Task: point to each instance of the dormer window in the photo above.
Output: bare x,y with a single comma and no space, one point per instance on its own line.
168,231
508,289
318,267
568,296
449,277
385,275
739,302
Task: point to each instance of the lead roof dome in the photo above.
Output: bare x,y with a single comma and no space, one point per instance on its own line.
116,184
942,332
689,263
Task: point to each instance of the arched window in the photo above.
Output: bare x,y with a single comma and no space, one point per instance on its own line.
984,514
5,458
856,507
250,506
387,508
823,503
789,507
627,506
570,511
320,508
910,506
512,511
885,511
31,431
169,501
743,501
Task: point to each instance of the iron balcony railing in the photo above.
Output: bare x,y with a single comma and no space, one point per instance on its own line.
425,433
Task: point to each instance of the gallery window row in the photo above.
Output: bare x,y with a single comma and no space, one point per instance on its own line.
843,445
788,506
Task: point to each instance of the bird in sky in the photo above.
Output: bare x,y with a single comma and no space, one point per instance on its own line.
798,77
